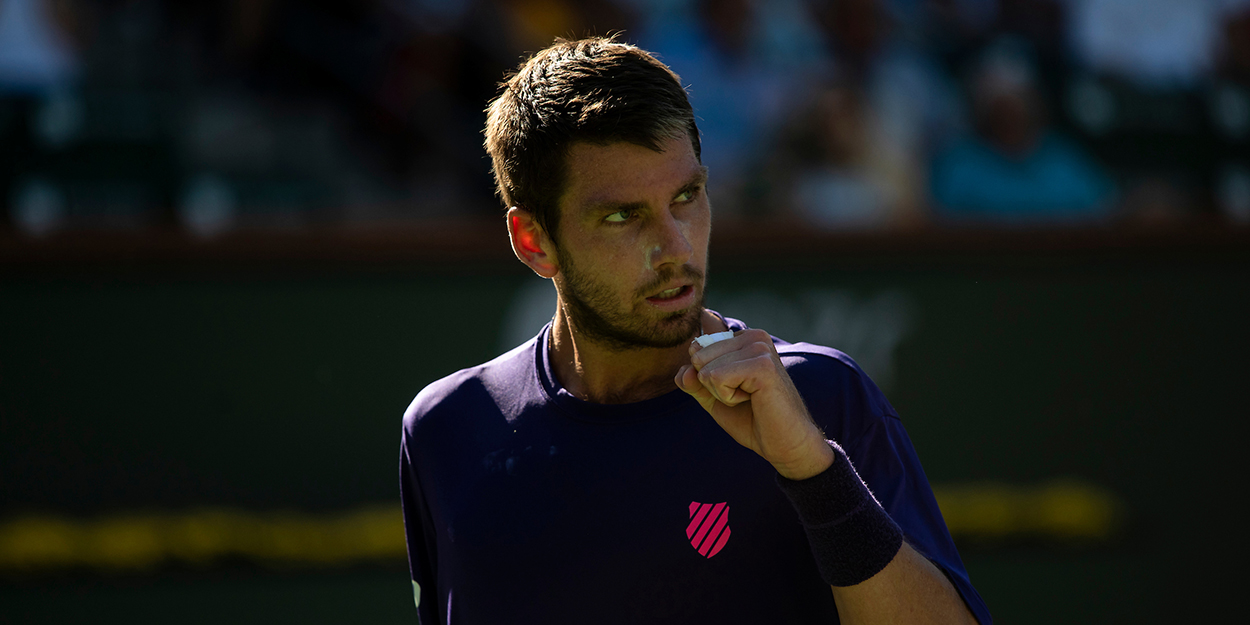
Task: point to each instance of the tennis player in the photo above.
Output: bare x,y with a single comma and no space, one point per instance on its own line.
613,469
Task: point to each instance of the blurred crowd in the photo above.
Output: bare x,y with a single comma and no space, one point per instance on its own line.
210,115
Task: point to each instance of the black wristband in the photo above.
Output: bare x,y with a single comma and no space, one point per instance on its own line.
852,537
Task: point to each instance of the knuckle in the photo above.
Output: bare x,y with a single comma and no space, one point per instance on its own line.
755,350
715,379
710,379
756,334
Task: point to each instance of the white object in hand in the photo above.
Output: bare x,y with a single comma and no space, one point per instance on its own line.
708,339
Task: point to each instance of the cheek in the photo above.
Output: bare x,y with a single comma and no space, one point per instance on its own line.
612,266
698,229
613,256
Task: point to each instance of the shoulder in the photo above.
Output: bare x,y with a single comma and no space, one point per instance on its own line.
809,356
807,362
841,397
822,370
495,386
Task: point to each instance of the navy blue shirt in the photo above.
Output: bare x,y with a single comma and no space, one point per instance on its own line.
524,504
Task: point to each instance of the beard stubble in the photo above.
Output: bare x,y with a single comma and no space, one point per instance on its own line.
591,309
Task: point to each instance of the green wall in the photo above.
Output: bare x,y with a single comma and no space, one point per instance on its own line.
139,389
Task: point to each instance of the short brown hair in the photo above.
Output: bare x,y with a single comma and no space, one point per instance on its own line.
596,90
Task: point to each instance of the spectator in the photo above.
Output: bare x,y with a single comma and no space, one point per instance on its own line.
915,103
1235,60
1230,112
1014,169
1143,66
35,55
748,65
1154,43
836,170
39,111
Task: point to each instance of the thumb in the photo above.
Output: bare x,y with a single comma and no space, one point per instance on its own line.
687,380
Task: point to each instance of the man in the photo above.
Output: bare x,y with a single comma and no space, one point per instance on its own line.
553,484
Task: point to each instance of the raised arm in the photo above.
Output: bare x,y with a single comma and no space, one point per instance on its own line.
875,576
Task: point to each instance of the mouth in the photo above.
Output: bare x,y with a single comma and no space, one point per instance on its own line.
669,295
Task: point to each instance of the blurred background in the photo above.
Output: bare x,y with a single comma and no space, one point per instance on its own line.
237,238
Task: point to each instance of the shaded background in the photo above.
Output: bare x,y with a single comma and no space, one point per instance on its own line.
238,237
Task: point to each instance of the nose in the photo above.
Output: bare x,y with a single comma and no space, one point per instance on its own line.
671,243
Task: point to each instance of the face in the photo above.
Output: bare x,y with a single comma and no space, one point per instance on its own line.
632,249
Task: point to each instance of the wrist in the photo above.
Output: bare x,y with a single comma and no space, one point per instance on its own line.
816,457
852,537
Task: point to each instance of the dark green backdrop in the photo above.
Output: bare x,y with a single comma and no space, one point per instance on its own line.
263,388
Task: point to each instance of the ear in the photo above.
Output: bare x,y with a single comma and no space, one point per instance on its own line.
530,242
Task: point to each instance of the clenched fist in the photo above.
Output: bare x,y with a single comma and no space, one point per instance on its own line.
741,382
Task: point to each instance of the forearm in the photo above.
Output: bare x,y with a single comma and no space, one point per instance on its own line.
859,548
910,589
860,551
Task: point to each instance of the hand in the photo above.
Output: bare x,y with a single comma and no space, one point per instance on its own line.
743,385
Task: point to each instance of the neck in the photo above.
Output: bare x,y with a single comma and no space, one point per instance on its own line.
606,374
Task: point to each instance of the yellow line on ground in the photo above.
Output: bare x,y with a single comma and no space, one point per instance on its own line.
1064,509
146,540
1061,509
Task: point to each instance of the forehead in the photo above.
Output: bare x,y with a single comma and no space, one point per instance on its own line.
624,172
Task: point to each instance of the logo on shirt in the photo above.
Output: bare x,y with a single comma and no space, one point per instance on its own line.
709,527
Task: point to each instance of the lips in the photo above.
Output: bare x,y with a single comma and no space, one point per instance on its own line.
674,291
670,293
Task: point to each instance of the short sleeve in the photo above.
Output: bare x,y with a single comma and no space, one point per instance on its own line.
419,532
850,409
885,459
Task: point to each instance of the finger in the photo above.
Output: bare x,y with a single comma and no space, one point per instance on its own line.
733,382
687,380
700,356
723,376
748,351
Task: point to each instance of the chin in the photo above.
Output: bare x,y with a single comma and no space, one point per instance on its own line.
591,313
680,327
668,331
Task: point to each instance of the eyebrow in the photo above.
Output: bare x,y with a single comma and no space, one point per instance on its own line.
699,179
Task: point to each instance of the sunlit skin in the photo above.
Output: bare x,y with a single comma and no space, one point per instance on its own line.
629,215
635,224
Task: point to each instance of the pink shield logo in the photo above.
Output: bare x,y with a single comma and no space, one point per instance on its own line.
709,527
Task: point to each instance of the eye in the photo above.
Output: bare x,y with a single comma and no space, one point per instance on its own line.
619,216
686,196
